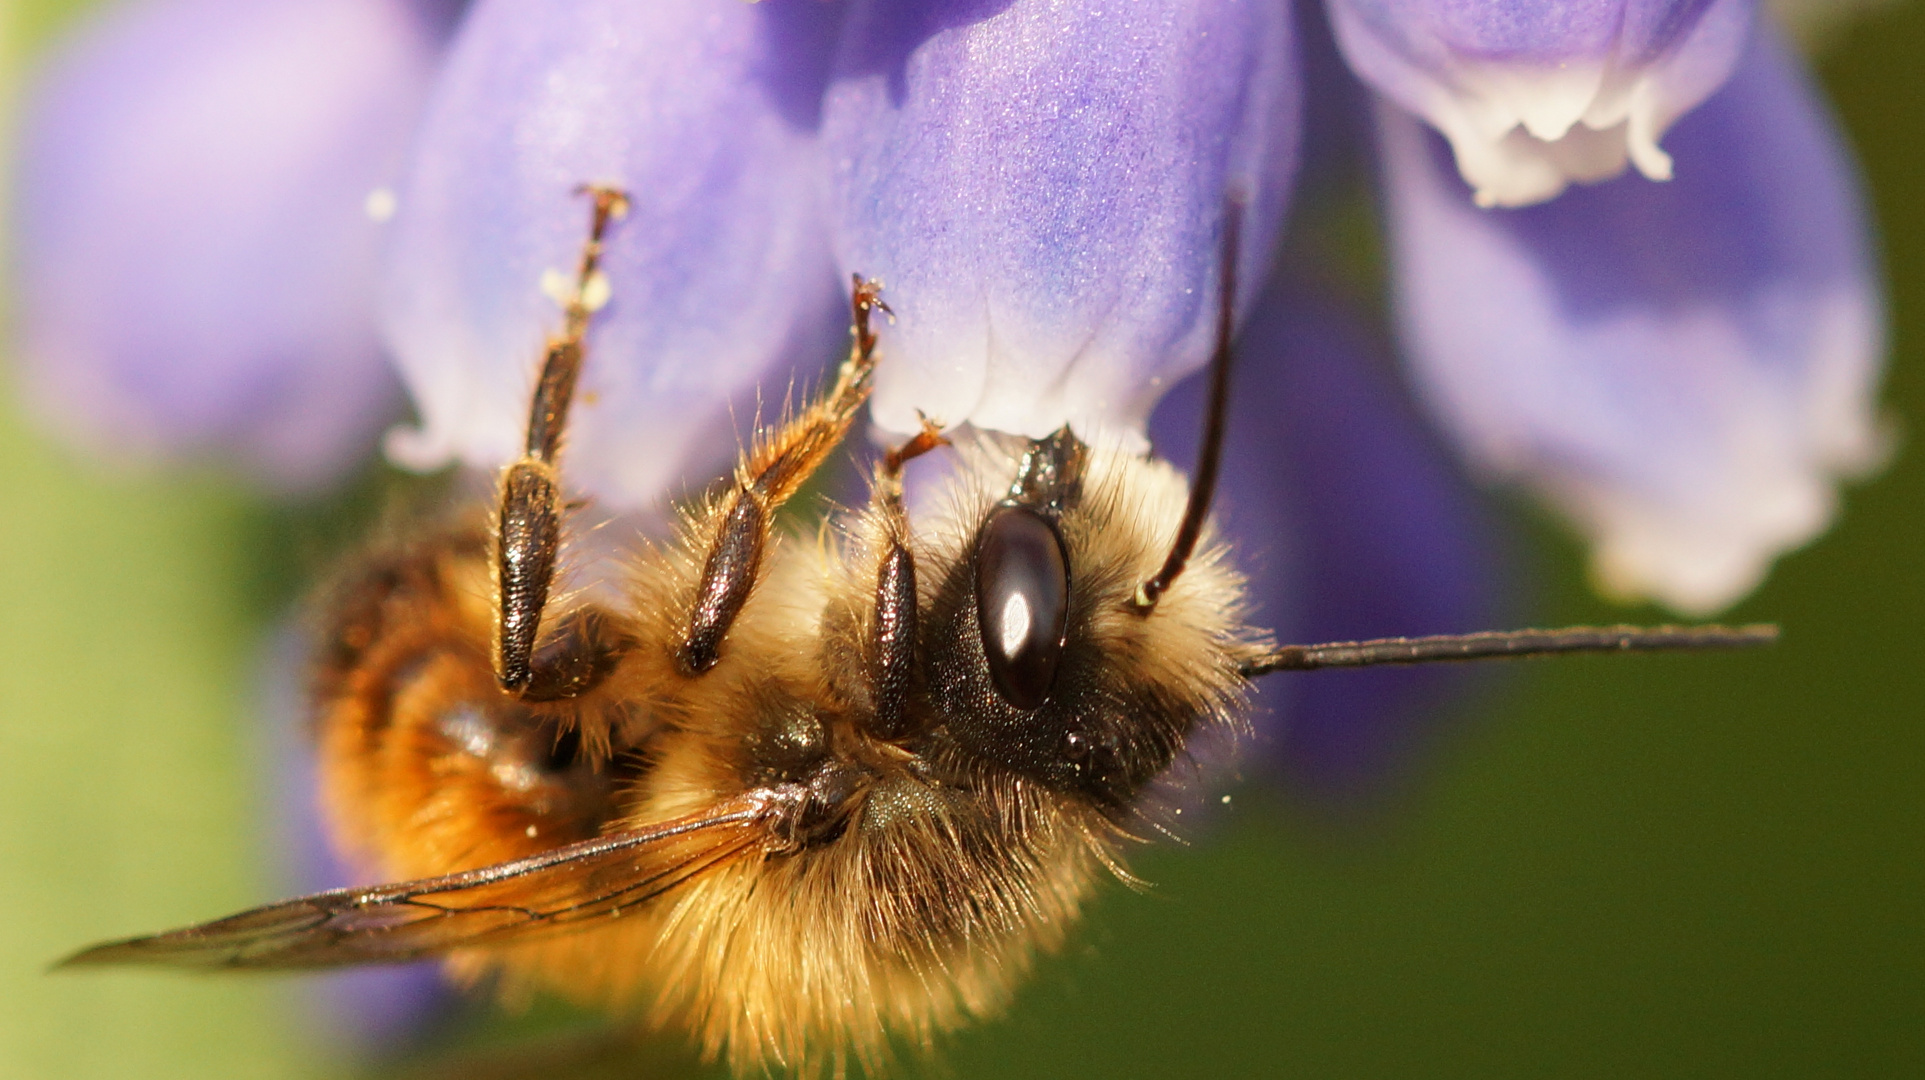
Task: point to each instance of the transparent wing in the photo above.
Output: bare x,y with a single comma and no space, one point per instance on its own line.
564,888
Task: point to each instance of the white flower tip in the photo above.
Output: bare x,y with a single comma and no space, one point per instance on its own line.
415,449
1522,137
1869,454
1650,159
1523,169
1697,586
381,204
595,292
1698,565
1546,128
592,294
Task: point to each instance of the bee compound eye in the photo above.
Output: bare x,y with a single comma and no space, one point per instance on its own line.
1022,603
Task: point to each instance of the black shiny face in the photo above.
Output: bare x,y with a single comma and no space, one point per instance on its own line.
1036,663
1022,603
1018,680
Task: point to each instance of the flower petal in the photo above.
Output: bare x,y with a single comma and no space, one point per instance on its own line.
1684,368
1346,514
1041,188
193,254
1532,95
702,112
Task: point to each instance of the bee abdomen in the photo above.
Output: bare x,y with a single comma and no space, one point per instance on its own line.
429,766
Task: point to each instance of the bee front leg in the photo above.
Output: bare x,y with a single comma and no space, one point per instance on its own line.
769,474
528,519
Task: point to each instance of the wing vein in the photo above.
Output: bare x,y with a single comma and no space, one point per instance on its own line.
567,887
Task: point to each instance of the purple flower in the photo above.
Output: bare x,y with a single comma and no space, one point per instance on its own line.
1681,356
1534,96
1041,188
1685,368
721,274
193,249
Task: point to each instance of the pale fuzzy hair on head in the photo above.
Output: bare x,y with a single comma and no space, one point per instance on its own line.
1118,536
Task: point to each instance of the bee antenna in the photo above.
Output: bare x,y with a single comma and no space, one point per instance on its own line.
1506,644
1215,416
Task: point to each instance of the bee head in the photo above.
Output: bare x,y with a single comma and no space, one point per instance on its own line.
1040,659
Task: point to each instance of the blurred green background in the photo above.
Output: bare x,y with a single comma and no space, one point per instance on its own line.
1654,867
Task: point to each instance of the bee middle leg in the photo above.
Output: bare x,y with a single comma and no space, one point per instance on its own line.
586,644
892,630
768,476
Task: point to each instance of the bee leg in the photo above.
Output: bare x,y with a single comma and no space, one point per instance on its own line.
893,633
529,516
772,472
889,474
576,655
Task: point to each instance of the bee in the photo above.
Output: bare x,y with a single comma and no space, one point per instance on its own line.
801,798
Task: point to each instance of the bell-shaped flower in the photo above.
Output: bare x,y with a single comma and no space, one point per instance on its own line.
193,249
1686,368
1041,187
1534,95
703,112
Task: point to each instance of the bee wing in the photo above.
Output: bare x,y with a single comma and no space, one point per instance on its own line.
567,887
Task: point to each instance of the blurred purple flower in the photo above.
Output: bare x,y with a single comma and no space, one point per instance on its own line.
1685,368
194,255
1534,96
